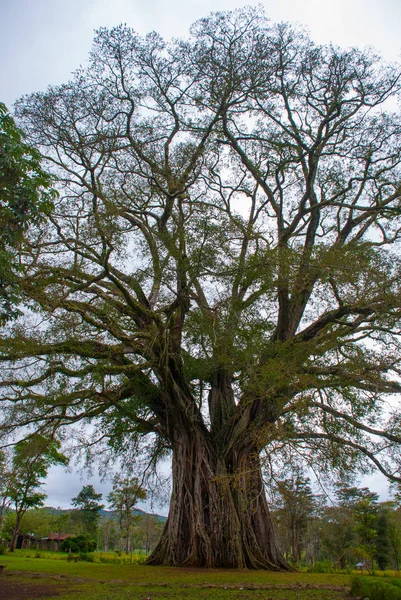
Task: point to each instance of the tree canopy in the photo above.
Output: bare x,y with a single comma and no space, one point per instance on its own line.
88,508
126,492
220,276
30,462
26,197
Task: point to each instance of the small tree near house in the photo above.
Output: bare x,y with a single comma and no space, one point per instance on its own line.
30,463
125,494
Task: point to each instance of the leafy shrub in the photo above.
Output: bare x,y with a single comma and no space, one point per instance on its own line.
320,567
375,589
108,561
79,543
132,559
2,549
325,566
86,557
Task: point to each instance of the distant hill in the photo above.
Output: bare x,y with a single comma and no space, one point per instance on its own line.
137,511
111,514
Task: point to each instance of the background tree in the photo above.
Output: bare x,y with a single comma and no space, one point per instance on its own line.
361,506
37,521
83,542
365,515
61,522
107,533
125,494
88,509
26,197
220,277
394,538
294,504
383,537
5,477
338,536
150,528
30,463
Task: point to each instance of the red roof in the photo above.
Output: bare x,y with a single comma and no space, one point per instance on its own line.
59,537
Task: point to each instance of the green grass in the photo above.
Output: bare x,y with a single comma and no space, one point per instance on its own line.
107,557
376,588
99,581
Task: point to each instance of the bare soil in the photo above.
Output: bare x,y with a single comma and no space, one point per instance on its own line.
15,589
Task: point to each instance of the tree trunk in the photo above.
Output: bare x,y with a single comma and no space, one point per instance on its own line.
14,537
218,512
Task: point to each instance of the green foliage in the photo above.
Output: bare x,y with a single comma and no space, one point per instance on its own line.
42,521
5,476
296,508
88,556
321,566
375,589
325,566
25,188
88,508
30,462
26,198
125,494
394,537
80,543
358,514
382,545
334,538
338,536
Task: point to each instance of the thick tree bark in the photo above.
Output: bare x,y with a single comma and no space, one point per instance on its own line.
218,512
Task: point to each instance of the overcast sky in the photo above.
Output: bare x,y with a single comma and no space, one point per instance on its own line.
43,41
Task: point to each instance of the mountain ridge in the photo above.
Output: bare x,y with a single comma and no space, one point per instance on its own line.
112,514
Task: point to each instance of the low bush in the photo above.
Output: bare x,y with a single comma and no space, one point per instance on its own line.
79,543
2,549
88,557
375,589
320,567
125,559
325,566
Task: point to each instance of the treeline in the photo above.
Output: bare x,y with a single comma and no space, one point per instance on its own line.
25,522
350,528
41,522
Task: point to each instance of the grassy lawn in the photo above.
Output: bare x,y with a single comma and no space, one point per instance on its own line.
62,580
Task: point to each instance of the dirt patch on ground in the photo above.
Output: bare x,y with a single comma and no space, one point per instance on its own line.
24,585
14,589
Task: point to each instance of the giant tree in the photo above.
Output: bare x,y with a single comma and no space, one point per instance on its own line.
220,275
